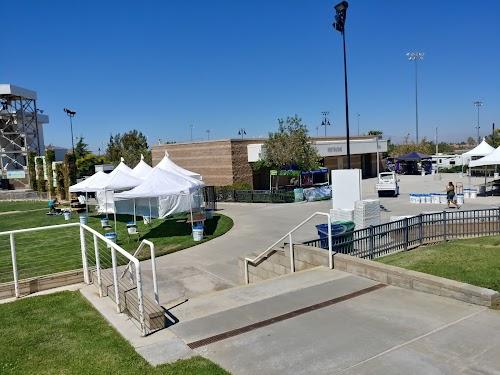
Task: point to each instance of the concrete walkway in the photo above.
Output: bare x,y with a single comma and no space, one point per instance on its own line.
213,265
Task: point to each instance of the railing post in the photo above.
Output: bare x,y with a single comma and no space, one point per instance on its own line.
115,279
406,230
97,265
292,259
420,229
83,246
153,271
245,268
371,243
139,298
444,225
14,264
330,247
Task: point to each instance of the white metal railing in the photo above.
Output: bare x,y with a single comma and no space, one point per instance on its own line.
153,266
290,240
114,249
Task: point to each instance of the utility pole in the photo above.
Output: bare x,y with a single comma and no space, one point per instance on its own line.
208,134
325,121
191,132
437,140
478,104
416,56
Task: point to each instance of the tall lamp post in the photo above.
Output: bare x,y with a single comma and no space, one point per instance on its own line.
416,56
71,114
339,25
325,121
478,104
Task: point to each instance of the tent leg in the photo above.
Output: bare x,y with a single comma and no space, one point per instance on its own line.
114,213
150,219
87,203
135,220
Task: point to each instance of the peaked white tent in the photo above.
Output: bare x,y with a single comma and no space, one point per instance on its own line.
142,169
480,150
168,165
160,195
85,186
493,158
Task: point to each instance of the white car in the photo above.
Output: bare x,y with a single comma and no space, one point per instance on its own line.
387,184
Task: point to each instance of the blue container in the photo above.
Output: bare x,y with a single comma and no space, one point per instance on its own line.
110,236
341,232
198,225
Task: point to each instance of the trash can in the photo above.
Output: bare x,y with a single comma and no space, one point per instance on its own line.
342,237
131,227
146,219
67,215
110,236
84,219
298,194
104,222
197,234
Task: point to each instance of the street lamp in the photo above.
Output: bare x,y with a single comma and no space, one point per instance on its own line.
478,104
339,25
71,114
325,121
242,132
416,56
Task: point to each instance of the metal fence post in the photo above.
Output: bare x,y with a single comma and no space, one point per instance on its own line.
115,279
444,226
139,298
83,246
406,229
97,265
292,259
420,229
14,264
371,242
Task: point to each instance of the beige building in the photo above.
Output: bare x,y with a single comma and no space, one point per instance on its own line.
229,161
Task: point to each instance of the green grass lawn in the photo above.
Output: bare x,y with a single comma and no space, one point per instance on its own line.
62,333
51,251
474,261
6,206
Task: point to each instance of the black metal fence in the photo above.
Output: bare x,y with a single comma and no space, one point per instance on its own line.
401,235
254,196
210,197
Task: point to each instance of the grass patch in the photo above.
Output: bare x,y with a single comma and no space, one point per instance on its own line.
62,333
7,206
50,251
474,261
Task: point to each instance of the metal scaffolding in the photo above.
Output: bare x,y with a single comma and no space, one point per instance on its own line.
20,127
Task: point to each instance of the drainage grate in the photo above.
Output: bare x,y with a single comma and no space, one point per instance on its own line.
279,318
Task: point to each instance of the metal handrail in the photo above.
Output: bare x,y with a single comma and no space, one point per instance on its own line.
153,266
289,235
39,228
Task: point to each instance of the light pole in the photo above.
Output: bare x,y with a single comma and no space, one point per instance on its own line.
358,122
416,56
325,121
242,132
208,134
71,114
437,149
339,25
478,104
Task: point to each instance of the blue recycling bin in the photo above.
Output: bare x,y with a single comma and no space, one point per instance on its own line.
342,237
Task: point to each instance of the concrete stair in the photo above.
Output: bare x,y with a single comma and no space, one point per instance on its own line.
154,314
231,309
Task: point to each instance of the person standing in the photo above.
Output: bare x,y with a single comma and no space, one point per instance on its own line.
450,194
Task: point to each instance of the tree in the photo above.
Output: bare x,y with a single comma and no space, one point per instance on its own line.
50,157
61,191
130,146
471,141
40,181
85,166
69,172
290,147
32,169
81,148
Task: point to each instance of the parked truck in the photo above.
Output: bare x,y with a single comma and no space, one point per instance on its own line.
388,184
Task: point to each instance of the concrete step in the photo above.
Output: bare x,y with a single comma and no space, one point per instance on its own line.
242,306
154,315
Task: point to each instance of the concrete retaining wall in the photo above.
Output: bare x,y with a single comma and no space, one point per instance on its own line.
278,263
416,280
37,284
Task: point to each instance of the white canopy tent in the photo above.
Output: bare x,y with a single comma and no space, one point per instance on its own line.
493,158
480,150
169,166
160,195
118,180
85,186
142,169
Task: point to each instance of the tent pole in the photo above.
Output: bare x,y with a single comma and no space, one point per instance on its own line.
114,213
135,220
150,219
191,212
485,194
87,203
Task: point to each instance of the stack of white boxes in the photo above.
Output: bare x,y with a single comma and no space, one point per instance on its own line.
342,214
366,213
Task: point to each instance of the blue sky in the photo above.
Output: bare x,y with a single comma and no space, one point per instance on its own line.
224,65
